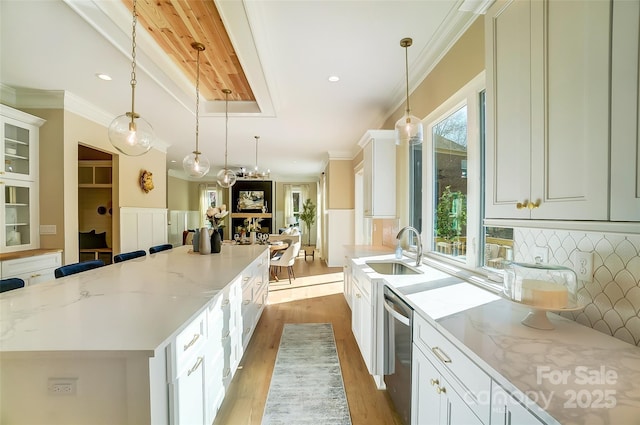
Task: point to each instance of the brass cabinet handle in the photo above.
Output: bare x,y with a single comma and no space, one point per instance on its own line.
523,204
441,355
35,275
531,205
195,366
193,341
435,382
441,390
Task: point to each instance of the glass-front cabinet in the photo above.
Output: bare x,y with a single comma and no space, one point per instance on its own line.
19,180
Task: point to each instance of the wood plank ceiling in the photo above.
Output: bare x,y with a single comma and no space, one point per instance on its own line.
175,24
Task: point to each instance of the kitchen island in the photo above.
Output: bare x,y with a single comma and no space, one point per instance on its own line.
111,345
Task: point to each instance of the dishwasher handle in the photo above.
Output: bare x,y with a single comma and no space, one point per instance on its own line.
399,317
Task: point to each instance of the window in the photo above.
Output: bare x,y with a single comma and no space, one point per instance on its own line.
296,203
445,178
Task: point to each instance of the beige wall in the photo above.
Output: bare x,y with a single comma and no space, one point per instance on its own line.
340,181
460,65
59,139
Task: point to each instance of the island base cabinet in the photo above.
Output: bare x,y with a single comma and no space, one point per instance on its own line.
506,410
188,390
434,401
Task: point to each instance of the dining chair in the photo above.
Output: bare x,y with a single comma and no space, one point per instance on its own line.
74,268
159,248
128,256
10,284
287,259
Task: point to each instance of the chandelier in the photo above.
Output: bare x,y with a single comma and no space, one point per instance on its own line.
256,173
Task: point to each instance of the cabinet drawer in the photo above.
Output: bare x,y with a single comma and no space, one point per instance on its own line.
24,266
471,382
190,341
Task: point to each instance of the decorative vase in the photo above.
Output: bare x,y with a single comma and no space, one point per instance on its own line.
205,241
252,238
196,241
216,241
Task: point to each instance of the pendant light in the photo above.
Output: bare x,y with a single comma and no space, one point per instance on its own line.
226,177
129,133
408,128
195,164
256,173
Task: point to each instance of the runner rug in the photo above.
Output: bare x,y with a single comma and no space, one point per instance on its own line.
306,386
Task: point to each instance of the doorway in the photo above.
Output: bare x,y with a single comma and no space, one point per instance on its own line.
95,204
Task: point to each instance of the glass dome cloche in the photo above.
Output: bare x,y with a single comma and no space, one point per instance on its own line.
542,287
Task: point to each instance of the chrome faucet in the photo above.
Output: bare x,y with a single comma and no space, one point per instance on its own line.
419,253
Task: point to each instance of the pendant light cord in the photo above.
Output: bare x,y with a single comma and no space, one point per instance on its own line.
257,137
226,125
406,73
197,152
133,60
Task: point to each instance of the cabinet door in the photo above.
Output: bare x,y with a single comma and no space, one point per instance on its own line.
189,387
18,216
505,410
425,401
570,116
348,285
508,126
625,114
19,150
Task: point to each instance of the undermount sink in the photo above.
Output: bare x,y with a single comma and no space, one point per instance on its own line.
392,267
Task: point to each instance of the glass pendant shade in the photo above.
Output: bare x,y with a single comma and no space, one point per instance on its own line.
226,178
195,165
409,129
131,137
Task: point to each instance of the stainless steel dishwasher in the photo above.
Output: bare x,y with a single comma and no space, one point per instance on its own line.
398,319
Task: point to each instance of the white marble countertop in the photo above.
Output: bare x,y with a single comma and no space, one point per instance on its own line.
573,373
136,305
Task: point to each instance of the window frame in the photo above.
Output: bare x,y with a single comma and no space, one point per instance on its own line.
468,95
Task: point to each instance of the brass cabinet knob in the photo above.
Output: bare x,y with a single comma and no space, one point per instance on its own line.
531,205
435,382
441,390
523,204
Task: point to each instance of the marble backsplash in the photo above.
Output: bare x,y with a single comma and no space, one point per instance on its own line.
612,300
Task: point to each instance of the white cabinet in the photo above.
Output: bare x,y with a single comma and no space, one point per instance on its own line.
506,410
19,224
379,173
625,114
547,124
362,322
348,282
33,268
255,283
445,379
434,401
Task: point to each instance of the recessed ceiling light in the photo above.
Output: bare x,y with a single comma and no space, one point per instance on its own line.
104,77
334,79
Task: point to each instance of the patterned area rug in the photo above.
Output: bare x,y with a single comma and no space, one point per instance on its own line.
306,386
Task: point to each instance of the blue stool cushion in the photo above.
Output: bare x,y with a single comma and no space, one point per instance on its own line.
77,268
128,256
10,284
159,248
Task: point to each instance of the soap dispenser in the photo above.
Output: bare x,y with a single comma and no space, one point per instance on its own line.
398,251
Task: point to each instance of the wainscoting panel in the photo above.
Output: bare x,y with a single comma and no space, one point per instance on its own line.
612,300
141,228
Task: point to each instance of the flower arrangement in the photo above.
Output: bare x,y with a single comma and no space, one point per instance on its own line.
215,216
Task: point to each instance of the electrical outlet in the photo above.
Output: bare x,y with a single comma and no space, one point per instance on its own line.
542,253
62,386
583,265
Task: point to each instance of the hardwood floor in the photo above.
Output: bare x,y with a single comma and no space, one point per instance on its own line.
314,297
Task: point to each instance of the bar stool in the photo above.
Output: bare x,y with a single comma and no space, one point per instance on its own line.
159,248
128,256
10,284
74,268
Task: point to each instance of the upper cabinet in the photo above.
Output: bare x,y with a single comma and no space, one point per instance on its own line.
625,114
548,109
19,180
379,173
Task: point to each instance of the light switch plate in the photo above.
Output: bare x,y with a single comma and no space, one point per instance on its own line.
48,229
